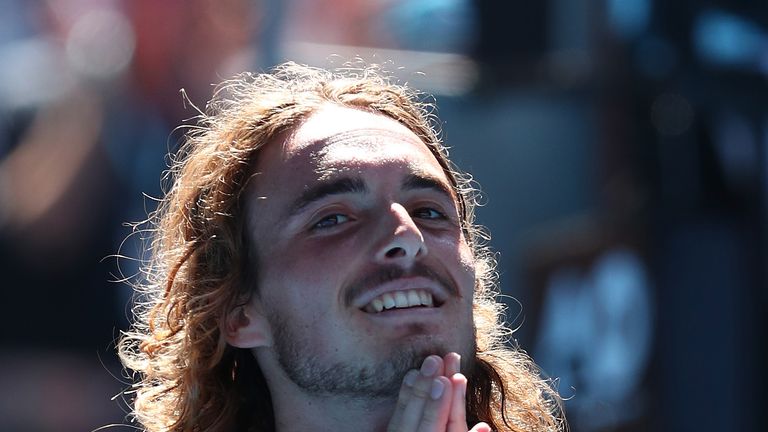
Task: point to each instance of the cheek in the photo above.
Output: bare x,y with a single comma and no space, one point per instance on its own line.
306,276
324,260
468,265
458,259
299,262
467,257
288,283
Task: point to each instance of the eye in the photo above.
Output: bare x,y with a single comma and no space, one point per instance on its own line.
428,213
331,221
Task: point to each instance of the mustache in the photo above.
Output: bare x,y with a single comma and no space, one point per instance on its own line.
389,273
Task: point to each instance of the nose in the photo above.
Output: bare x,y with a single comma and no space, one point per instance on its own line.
404,243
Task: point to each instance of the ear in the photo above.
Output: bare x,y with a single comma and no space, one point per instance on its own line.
246,327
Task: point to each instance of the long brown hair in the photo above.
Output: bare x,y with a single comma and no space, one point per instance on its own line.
188,377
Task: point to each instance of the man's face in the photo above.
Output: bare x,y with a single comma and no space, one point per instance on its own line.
362,266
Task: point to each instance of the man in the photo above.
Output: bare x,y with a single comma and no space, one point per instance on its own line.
315,266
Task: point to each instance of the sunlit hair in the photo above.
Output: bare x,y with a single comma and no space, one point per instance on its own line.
188,377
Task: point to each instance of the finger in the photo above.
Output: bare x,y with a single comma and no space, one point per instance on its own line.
403,398
452,364
416,396
436,409
457,419
481,427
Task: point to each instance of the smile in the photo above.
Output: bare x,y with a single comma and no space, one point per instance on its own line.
400,300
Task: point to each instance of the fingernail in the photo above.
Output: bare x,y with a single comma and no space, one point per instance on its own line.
429,367
437,389
410,377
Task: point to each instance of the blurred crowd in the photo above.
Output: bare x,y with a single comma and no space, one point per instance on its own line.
622,145
89,96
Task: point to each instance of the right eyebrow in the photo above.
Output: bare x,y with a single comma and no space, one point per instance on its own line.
327,188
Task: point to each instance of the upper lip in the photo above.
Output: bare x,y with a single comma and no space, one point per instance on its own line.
439,293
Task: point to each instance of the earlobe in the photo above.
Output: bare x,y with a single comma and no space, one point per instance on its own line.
246,327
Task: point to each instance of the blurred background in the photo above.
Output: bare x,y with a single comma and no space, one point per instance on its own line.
622,146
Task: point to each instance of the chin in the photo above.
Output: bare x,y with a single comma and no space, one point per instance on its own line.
423,345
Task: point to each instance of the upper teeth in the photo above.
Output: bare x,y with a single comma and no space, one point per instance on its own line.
400,299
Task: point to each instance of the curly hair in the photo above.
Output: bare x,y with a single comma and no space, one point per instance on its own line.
187,377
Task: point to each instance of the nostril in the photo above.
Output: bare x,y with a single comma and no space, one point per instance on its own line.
395,252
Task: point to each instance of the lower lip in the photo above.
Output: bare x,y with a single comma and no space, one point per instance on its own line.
416,312
403,323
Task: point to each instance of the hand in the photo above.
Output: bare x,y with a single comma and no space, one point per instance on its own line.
433,399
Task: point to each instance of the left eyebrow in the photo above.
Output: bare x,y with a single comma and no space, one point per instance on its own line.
323,189
415,182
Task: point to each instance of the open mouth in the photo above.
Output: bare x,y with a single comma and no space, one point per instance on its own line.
410,298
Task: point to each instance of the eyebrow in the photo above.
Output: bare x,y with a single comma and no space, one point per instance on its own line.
324,189
415,181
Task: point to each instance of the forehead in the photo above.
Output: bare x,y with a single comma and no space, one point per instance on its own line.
337,140
332,122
